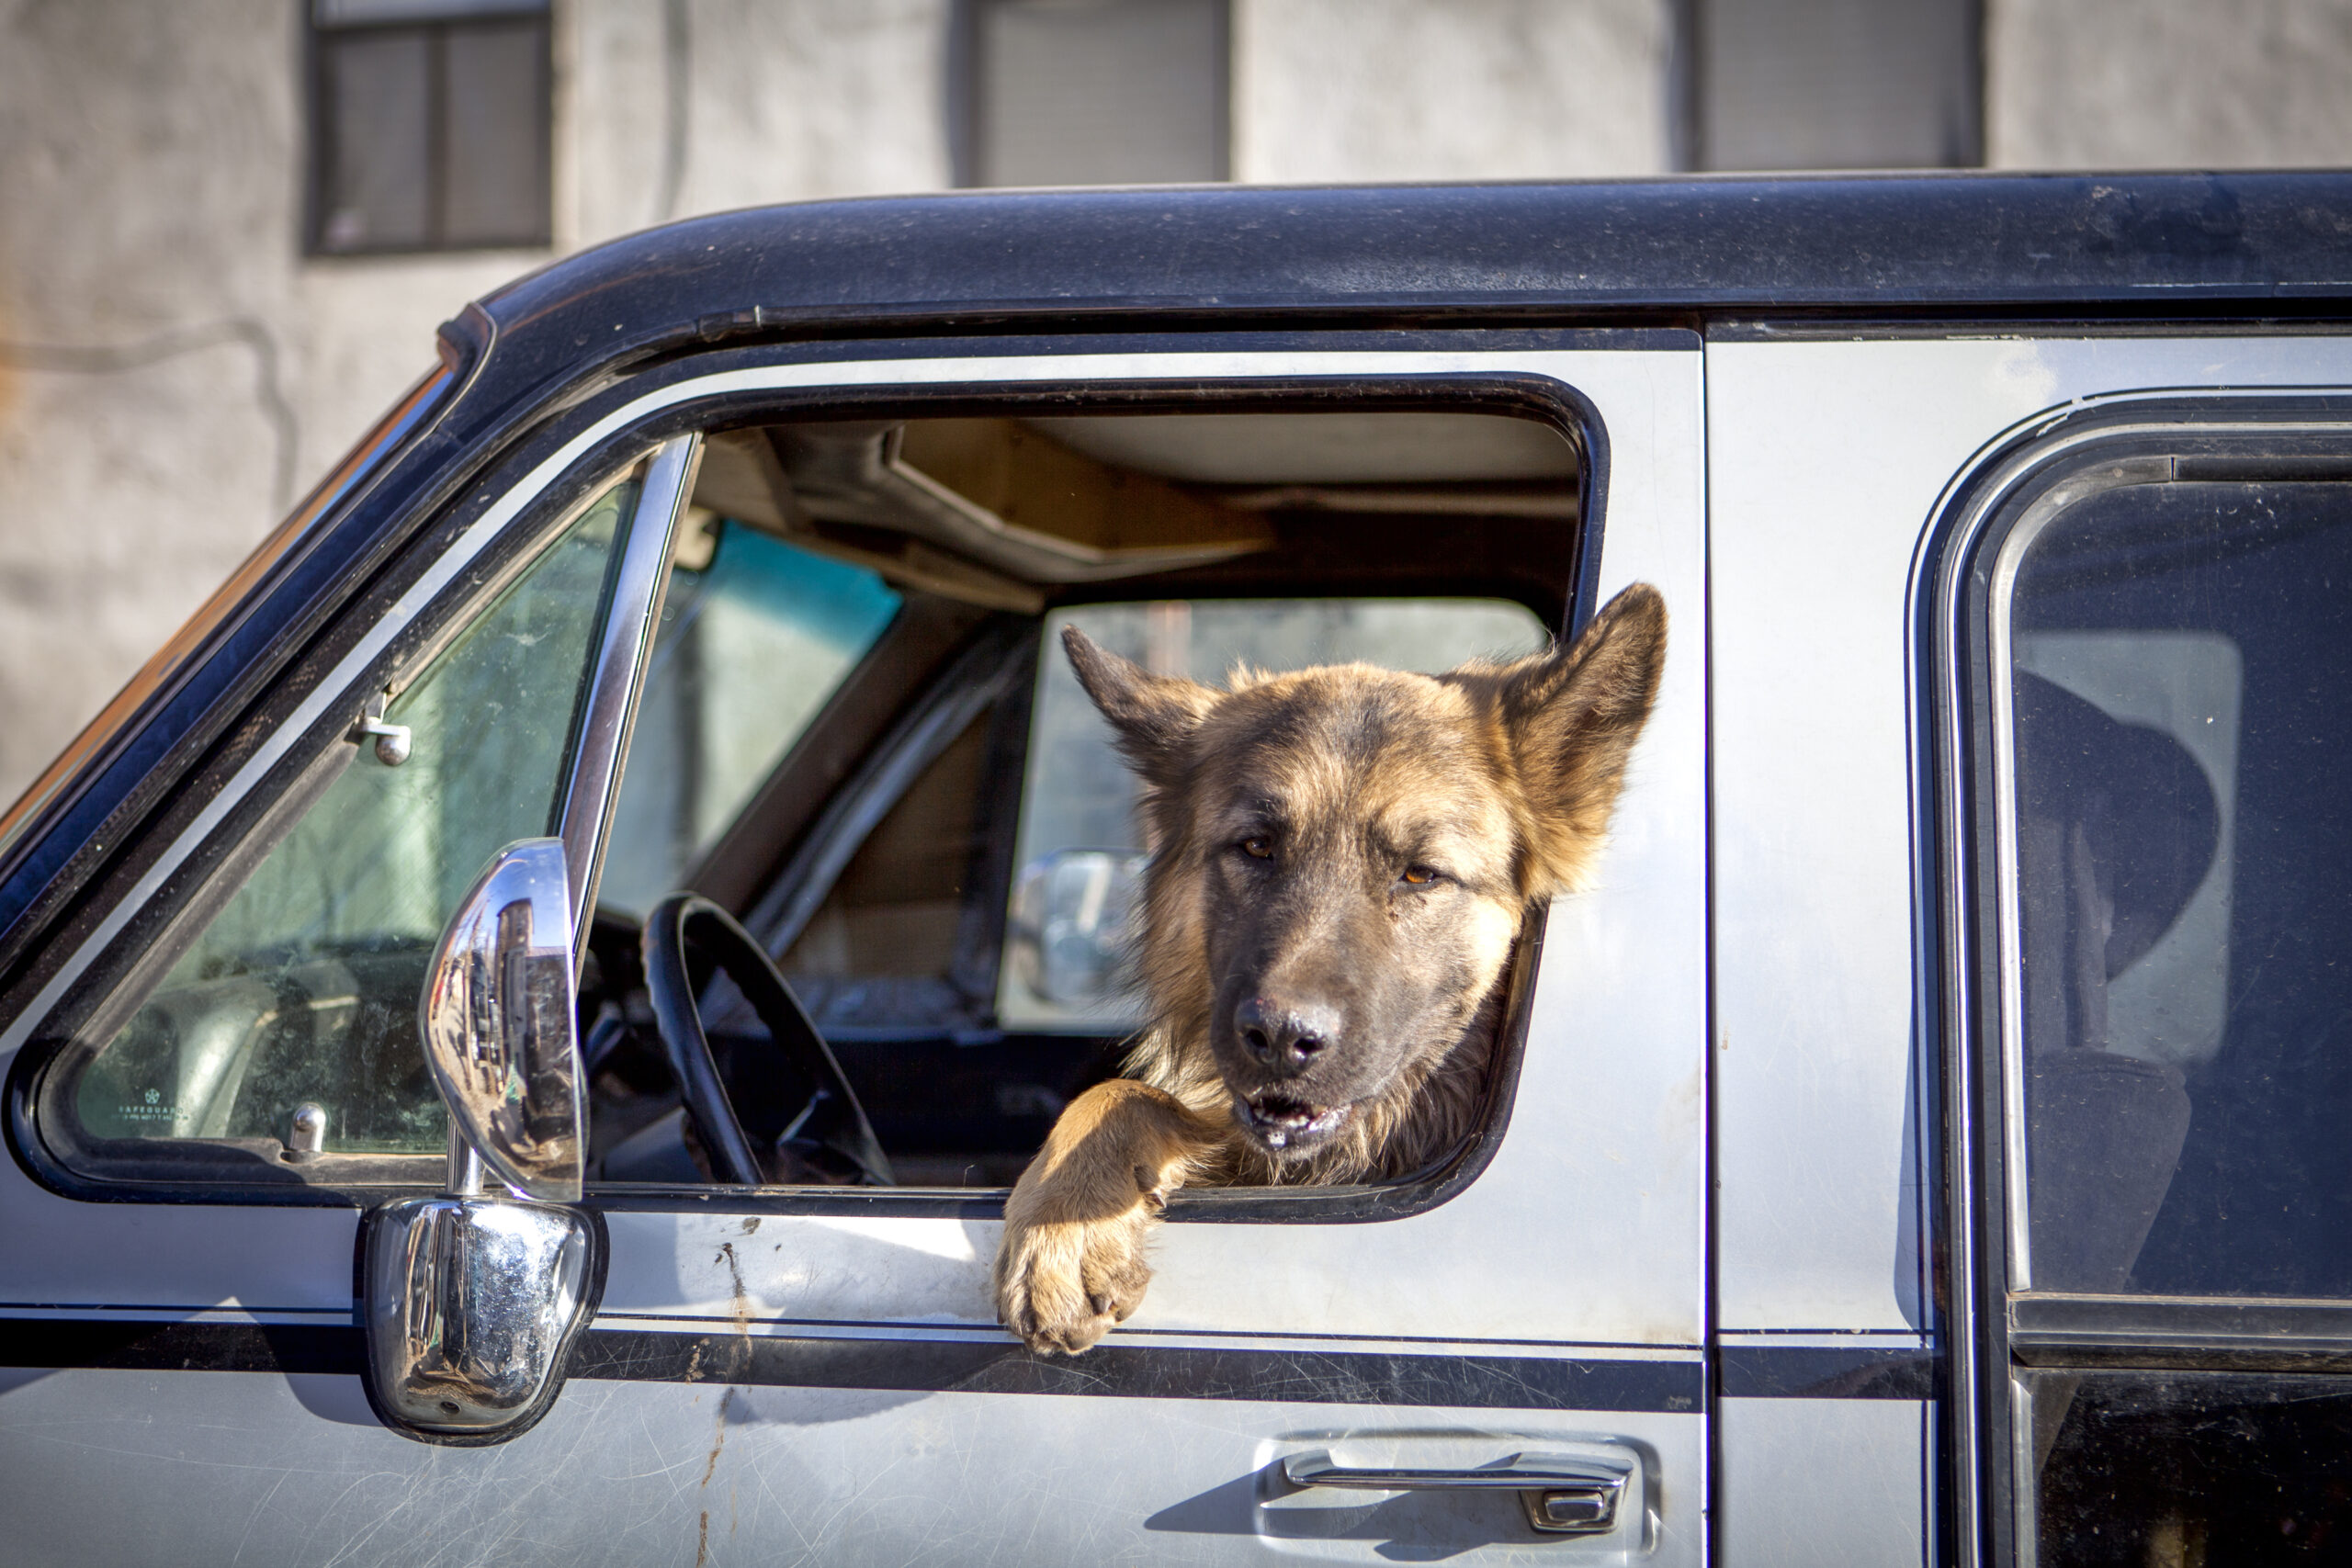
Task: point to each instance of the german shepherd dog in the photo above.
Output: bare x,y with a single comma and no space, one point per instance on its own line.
1341,861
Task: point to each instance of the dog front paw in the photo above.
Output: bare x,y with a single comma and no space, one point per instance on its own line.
1062,1284
1070,1265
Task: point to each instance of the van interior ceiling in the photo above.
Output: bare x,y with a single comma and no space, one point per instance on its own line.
875,859
1012,514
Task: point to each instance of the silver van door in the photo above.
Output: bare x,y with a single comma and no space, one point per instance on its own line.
1341,1375
813,1373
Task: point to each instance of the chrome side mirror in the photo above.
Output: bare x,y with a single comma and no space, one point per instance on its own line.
1069,930
473,1299
500,1031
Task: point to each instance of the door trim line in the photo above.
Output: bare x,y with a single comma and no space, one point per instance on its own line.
993,1364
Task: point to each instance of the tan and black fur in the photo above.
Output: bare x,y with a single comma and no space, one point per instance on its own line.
1341,859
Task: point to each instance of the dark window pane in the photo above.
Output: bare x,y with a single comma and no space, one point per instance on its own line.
1836,84
2183,846
375,97
1115,92
2210,1468
349,12
497,131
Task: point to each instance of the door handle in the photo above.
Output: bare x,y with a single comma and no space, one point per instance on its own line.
1562,1495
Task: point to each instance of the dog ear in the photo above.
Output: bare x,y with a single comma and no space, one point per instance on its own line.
1154,715
1572,716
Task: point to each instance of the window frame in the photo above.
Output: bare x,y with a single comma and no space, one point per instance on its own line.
436,30
721,389
1967,931
1500,393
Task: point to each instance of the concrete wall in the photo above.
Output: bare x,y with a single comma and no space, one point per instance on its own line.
173,372
1465,89
706,105
2192,84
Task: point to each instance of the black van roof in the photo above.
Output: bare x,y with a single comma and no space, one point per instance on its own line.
2239,244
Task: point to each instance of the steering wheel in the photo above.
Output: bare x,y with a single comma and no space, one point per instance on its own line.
791,1101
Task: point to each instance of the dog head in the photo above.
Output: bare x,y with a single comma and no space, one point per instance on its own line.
1342,856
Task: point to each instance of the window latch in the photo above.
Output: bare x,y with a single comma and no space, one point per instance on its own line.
393,741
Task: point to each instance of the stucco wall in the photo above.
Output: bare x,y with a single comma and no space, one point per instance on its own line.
2189,84
173,372
1466,89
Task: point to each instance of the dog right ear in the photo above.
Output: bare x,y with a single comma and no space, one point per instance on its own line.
1153,716
1573,714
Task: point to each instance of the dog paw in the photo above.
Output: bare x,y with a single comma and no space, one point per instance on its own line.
1071,1265
1061,1285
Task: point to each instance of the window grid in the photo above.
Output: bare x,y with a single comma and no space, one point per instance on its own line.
332,43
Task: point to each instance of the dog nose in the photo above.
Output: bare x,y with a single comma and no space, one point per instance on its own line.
1285,1037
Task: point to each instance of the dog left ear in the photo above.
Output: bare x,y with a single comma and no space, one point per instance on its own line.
1153,716
1572,716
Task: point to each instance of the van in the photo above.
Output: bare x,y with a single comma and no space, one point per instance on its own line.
519,1023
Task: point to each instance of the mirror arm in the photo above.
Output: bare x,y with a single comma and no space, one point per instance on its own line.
465,1165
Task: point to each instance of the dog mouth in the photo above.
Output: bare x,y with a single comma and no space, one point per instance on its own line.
1285,1124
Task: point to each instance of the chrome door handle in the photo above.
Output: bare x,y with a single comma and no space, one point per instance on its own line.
1562,1495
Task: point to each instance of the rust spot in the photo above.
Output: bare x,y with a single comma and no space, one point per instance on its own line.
741,1306
717,1445
702,1541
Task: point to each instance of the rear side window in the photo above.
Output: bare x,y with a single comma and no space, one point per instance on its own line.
2165,685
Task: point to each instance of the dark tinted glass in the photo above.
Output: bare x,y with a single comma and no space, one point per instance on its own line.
430,133
1099,91
497,129
753,641
2181,660
376,92
2212,1469
1836,84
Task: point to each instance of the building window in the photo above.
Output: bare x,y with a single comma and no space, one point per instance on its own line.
1832,83
1091,92
430,125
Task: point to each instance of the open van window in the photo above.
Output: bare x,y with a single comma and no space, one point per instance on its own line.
857,733
953,914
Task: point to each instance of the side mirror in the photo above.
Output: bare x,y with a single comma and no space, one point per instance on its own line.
473,1299
1069,930
499,1025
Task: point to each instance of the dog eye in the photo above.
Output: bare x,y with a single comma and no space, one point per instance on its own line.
1258,846
1419,875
